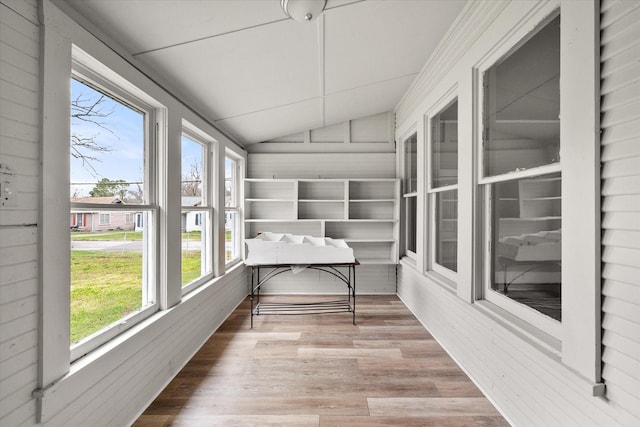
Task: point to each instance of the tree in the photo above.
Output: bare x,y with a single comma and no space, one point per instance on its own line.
106,188
86,148
192,180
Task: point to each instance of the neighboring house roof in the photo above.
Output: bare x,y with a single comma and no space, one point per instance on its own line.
99,200
191,200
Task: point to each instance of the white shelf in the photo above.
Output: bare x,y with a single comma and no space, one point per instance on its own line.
363,212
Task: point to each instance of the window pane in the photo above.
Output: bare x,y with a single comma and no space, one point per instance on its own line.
230,199
194,247
192,172
107,151
107,279
231,234
446,232
108,264
522,105
194,223
444,146
526,226
410,164
410,223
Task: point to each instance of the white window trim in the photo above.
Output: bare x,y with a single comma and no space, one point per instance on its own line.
238,173
447,99
579,335
409,254
207,208
91,72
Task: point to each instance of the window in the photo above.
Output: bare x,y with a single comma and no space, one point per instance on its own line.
521,179
232,218
109,157
105,219
410,193
443,190
197,212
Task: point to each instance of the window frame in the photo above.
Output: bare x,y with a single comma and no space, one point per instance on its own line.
407,195
207,207
527,314
91,72
432,192
237,174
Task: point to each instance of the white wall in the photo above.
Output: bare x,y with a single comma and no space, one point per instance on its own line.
114,384
536,381
621,205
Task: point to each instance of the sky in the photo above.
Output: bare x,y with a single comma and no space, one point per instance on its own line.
122,131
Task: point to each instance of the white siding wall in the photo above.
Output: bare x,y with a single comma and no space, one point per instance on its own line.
620,39
370,279
529,383
19,150
122,382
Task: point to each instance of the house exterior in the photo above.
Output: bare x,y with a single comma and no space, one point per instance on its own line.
583,370
81,220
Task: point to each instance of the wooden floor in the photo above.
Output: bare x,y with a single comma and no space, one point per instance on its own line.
320,370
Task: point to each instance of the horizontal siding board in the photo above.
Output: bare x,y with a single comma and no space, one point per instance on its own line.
623,113
17,309
19,362
621,256
621,97
621,221
17,94
620,43
15,148
631,373
623,309
27,10
17,327
626,346
19,113
622,30
321,165
25,41
613,11
621,326
628,166
21,276
16,130
618,76
625,203
622,185
18,345
622,274
624,291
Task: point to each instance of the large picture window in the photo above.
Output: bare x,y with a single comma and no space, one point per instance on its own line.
196,214
521,179
410,193
111,260
443,189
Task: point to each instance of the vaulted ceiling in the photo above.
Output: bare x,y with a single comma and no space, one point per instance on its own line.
258,75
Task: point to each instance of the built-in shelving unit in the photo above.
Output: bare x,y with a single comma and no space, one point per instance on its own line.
363,212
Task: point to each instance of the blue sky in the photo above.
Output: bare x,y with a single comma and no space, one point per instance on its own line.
122,132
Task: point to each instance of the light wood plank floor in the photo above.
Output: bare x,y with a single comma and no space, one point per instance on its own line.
320,370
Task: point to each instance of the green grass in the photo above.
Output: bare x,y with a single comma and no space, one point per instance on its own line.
106,286
107,235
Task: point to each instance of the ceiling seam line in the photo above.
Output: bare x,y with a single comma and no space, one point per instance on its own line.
206,37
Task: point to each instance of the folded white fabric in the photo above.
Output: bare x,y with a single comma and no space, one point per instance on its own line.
292,249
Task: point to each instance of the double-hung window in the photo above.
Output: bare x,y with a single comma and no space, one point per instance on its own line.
443,189
112,179
232,214
197,210
521,177
410,193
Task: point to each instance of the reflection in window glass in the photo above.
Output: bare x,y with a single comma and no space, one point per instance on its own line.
444,147
527,257
522,105
410,223
446,232
410,174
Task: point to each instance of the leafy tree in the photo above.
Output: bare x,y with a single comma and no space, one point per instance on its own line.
106,188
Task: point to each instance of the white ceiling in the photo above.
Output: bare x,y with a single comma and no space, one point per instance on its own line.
259,75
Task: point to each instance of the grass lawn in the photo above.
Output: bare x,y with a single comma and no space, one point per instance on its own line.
106,286
123,235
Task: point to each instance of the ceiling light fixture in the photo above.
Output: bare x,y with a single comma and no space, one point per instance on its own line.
303,10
